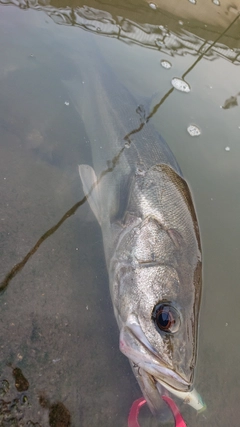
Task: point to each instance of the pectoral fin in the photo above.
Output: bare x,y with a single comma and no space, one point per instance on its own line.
91,189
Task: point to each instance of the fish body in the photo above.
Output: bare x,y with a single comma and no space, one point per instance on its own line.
150,234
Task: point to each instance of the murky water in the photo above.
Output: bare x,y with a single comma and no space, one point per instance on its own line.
57,322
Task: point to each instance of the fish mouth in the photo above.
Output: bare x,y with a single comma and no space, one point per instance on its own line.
134,344
155,378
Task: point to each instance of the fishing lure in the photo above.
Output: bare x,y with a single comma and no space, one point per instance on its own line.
137,404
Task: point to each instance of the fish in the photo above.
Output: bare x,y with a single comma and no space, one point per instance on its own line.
150,232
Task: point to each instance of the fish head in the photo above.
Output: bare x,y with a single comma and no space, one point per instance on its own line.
157,296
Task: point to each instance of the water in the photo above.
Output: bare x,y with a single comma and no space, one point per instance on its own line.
57,321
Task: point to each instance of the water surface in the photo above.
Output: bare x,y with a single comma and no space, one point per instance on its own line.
57,322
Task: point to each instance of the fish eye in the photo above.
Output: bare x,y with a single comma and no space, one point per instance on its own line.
166,318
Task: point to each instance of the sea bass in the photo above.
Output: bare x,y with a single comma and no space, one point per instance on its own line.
150,234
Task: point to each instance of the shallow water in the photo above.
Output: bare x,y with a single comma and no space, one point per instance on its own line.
57,322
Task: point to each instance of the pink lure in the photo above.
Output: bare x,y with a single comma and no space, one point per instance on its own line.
134,411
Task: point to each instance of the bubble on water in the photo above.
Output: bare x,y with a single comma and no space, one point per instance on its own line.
227,148
192,1
193,130
153,6
180,84
166,64
158,42
216,2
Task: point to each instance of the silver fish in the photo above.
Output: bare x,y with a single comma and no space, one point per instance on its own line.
150,234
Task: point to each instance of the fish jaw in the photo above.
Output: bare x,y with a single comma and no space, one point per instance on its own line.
146,358
156,379
169,357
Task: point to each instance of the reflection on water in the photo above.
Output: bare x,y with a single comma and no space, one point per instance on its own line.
58,332
172,37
